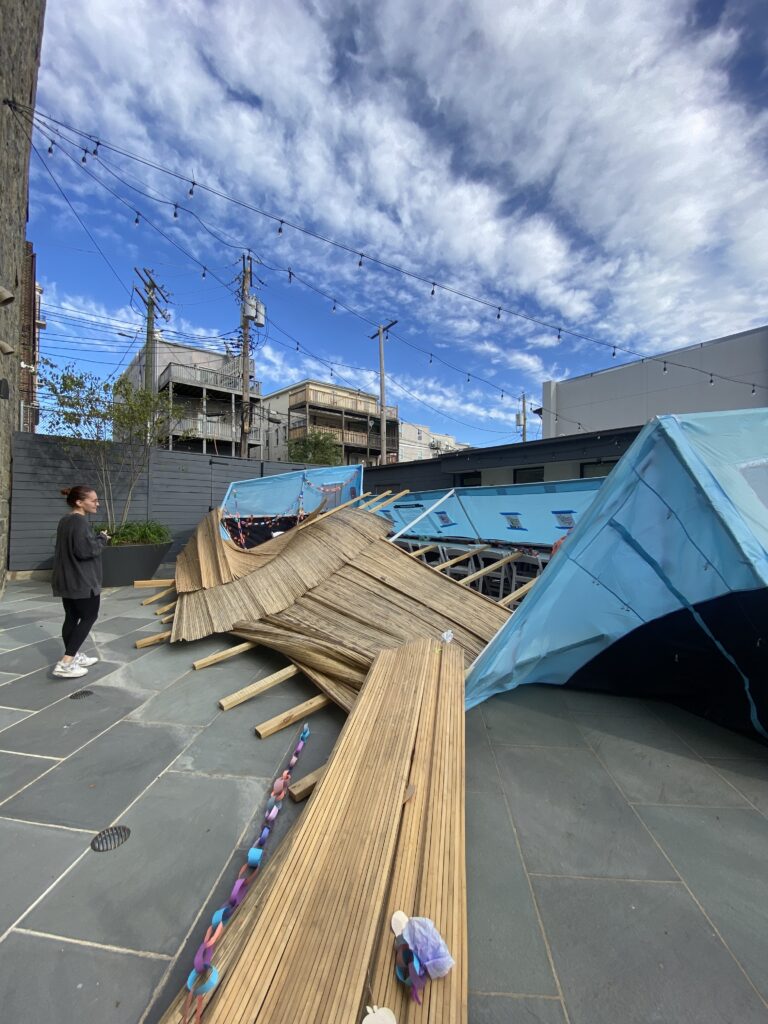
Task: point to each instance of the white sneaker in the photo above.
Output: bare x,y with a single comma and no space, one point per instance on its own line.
86,662
70,670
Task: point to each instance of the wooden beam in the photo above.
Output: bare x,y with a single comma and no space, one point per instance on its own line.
158,638
505,602
153,583
160,596
301,790
229,652
400,494
332,511
254,689
422,551
489,568
292,716
375,498
460,558
166,607
168,618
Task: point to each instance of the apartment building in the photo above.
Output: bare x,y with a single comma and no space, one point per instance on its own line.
351,417
208,387
419,442
32,323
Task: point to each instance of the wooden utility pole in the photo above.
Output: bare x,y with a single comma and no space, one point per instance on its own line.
151,290
246,316
525,421
382,389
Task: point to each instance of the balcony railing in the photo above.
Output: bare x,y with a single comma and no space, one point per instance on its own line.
213,429
333,399
353,437
203,376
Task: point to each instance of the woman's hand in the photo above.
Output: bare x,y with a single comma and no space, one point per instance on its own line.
105,535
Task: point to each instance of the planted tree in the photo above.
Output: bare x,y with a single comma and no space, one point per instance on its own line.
316,448
111,427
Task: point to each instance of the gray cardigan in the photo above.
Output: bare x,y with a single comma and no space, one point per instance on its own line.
77,558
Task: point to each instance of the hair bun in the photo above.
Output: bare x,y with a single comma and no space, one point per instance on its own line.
65,491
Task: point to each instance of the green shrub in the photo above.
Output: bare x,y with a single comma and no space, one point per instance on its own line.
148,532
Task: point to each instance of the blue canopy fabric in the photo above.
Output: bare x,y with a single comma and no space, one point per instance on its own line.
519,514
290,494
661,586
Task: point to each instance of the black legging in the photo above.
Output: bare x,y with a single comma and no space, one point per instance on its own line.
81,613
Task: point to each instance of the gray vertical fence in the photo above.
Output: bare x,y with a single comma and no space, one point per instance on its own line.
177,490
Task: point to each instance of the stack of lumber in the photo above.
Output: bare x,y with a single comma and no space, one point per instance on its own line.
384,830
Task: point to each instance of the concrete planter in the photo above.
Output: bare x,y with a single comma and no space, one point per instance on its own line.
123,564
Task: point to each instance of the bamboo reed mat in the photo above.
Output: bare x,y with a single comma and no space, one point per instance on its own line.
317,947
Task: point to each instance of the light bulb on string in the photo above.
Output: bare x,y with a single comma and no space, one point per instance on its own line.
360,261
50,148
84,158
754,392
334,306
502,393
467,378
175,211
433,288
430,358
137,218
191,189
96,148
559,333
498,313
711,380
297,346
280,228
203,271
290,276
613,354
665,367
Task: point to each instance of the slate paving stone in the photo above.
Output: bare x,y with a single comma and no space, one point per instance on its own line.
60,729
31,859
637,952
480,769
749,777
31,614
123,648
91,788
228,746
507,948
119,625
82,984
710,740
9,716
44,654
20,636
507,1010
721,855
571,819
190,700
161,666
531,716
139,896
42,688
16,770
651,763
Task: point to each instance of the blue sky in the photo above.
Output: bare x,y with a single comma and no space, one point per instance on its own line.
593,165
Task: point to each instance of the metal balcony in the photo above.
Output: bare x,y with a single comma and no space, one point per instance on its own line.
203,376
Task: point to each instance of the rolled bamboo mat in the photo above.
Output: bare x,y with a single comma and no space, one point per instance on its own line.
308,955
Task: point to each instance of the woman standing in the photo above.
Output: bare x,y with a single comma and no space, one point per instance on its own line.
76,578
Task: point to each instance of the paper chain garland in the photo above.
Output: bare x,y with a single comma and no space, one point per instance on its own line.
203,978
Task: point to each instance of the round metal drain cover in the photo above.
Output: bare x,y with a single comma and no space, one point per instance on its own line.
80,694
110,838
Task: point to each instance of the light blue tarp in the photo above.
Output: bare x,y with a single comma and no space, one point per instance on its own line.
519,514
682,519
288,494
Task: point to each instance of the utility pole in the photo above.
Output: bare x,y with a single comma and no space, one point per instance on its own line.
246,315
151,290
525,422
382,396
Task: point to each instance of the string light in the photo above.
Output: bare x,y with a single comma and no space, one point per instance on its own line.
203,271
191,189
711,380
559,333
433,288
50,148
467,378
360,261
334,306
290,276
430,358
280,228
753,390
498,313
502,392
613,354
137,218
665,367
96,148
83,158
175,211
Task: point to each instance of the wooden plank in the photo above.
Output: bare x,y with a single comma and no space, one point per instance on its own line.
229,652
167,618
153,583
395,497
461,558
421,551
331,512
160,596
304,787
374,499
490,568
166,607
254,689
293,715
150,641
516,595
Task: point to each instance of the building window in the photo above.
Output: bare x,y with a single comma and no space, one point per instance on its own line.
469,480
529,475
419,436
600,467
